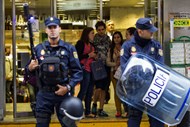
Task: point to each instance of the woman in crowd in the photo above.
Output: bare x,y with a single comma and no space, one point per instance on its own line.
86,54
113,60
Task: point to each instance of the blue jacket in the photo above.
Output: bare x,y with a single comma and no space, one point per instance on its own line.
68,56
153,49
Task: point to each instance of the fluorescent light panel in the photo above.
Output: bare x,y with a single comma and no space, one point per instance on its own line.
61,3
140,3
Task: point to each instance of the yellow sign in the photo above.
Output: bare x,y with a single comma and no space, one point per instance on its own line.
181,22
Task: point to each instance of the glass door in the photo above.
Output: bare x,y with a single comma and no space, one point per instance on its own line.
20,95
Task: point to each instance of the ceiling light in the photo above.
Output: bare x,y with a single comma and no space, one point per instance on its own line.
104,0
140,3
19,3
61,3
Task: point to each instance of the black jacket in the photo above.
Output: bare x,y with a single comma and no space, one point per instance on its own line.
80,49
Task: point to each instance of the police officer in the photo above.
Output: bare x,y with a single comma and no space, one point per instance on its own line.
58,70
141,42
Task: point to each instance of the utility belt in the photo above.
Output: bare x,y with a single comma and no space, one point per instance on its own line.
49,88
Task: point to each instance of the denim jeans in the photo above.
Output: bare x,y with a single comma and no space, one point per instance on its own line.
86,90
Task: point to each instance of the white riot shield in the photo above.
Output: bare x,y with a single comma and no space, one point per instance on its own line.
155,89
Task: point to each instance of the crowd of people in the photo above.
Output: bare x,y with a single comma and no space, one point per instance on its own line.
105,45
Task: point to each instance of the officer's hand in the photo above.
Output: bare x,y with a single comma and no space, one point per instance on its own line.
33,65
62,90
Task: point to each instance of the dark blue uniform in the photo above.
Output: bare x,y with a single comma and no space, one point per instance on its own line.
46,98
153,49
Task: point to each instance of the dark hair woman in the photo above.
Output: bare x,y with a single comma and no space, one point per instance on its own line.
86,53
113,60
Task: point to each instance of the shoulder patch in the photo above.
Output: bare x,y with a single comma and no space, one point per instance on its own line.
160,52
75,55
133,49
122,52
42,52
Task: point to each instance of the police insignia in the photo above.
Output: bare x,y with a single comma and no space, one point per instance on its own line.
51,68
42,52
121,52
160,51
51,19
75,55
133,49
62,52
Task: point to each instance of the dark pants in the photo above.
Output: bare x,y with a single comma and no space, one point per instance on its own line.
33,91
9,90
86,90
46,101
185,121
135,117
107,98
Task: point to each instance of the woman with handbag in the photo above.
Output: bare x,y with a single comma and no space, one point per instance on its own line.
86,53
113,60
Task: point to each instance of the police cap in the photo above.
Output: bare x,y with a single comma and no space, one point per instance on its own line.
146,24
52,21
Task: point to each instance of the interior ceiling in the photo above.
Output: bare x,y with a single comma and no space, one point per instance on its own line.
123,3
43,6
46,3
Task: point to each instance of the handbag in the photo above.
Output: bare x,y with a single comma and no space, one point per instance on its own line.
118,73
98,70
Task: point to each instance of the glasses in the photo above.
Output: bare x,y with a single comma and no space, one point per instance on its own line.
53,26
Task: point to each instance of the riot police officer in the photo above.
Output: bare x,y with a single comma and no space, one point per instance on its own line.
58,70
141,42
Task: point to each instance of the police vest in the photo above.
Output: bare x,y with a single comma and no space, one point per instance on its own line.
51,70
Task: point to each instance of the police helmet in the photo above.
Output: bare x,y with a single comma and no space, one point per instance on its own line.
72,107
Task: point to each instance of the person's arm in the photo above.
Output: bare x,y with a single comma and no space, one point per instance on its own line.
32,65
109,62
124,55
75,68
80,49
